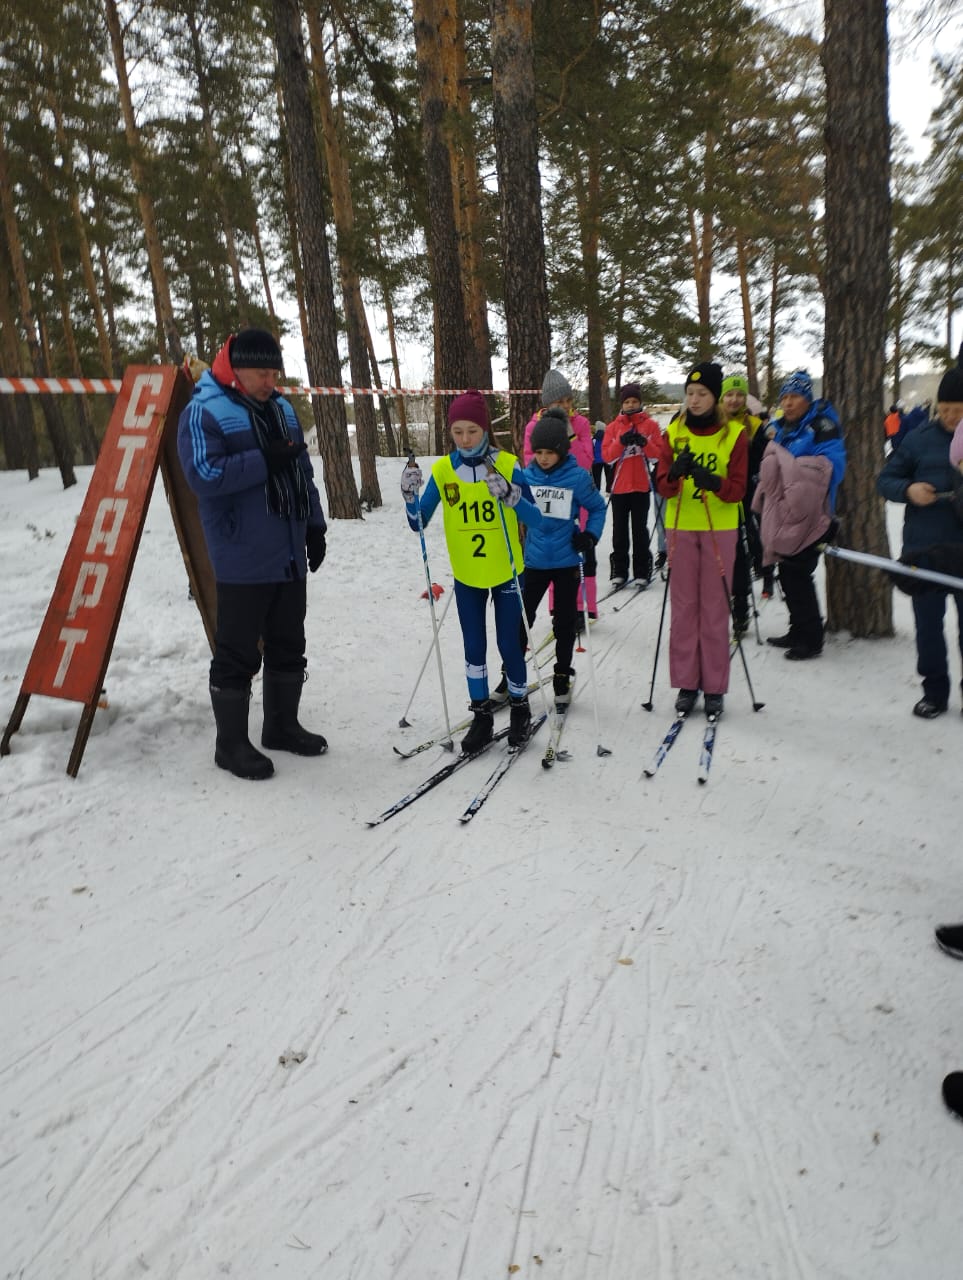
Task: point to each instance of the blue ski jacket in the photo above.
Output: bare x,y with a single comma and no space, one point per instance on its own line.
561,494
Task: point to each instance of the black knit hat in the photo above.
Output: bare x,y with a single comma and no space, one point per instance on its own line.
630,389
951,384
551,432
255,349
708,374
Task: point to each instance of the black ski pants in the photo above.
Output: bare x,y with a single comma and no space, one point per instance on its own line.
630,510
565,607
252,616
796,575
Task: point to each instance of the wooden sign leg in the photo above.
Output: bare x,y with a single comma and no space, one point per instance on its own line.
80,741
14,723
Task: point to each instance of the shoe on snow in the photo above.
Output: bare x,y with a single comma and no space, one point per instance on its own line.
802,652
927,710
481,729
781,642
713,705
949,938
686,701
520,722
953,1093
618,583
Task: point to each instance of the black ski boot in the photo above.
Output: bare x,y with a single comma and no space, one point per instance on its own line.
233,750
713,703
282,732
482,727
520,725
686,701
562,687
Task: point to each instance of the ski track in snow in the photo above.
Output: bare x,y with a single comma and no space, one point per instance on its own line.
616,1027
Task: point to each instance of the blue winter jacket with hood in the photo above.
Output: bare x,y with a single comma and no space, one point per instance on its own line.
246,541
817,434
560,495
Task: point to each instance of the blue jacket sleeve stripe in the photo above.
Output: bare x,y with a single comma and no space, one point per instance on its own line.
204,468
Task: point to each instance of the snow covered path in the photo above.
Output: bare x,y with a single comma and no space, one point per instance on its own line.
616,1027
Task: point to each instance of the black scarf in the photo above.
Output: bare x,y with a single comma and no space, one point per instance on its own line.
285,491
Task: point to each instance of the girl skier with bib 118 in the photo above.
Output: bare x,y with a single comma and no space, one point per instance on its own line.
471,483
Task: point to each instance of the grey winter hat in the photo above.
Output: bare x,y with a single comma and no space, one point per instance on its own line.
556,387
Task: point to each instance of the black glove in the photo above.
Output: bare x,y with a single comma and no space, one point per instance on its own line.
317,546
631,437
680,468
703,478
278,453
582,541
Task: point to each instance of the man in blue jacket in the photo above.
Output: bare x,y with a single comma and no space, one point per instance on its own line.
244,456
920,474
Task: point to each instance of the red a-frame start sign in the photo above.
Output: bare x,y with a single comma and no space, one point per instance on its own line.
74,645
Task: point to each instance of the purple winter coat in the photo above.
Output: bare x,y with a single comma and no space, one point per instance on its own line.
793,498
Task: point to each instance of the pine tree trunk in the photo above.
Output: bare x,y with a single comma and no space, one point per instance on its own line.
215,166
590,223
752,367
56,428
390,443
294,238
155,253
855,57
321,346
83,242
515,121
342,206
89,444
467,204
774,299
455,365
24,452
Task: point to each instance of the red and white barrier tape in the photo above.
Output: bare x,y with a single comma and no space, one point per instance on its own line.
75,386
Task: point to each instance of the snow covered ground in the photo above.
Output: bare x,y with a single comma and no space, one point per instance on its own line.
616,1027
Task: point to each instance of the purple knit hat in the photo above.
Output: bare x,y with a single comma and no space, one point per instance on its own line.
469,407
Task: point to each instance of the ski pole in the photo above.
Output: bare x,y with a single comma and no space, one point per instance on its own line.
448,744
403,722
744,543
549,715
756,706
669,547
599,749
893,566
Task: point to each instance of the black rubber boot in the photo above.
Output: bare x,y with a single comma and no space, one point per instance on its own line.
482,727
282,732
520,723
233,750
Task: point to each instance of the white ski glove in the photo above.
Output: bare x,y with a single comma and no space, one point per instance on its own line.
503,489
411,481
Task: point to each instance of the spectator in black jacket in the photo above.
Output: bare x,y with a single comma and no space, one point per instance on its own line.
921,474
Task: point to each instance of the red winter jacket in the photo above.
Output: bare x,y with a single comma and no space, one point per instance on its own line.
633,473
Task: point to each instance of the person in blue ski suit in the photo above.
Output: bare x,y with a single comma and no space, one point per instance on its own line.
561,489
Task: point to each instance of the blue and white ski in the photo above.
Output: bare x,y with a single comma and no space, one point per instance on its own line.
434,779
496,775
665,746
708,746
